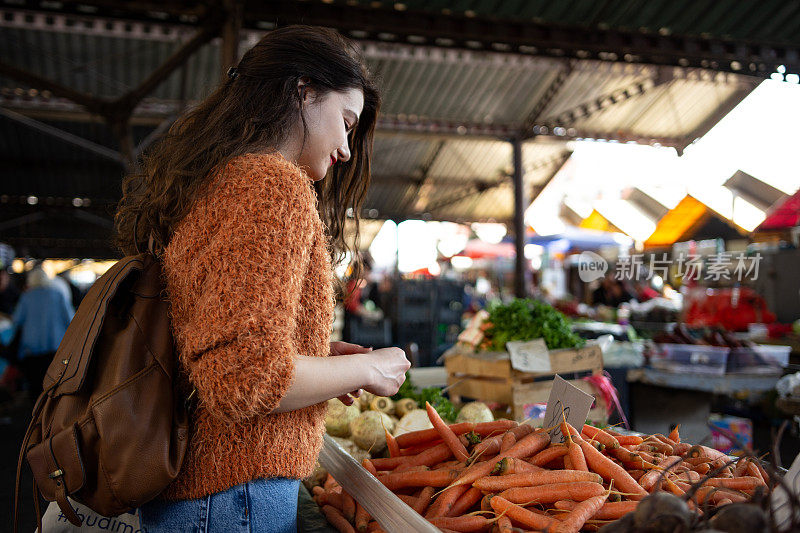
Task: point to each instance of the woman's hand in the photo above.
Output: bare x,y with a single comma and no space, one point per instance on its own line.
388,369
346,348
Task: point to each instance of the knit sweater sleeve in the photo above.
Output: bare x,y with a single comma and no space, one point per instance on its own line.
241,286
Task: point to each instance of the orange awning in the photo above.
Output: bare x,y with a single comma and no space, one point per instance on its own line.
677,222
598,222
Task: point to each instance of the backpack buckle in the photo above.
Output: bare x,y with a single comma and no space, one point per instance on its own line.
56,473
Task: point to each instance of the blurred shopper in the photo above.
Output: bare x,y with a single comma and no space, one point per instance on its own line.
611,292
246,200
40,319
8,292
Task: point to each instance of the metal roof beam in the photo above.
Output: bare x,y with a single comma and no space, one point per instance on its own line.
366,22
62,135
528,37
444,181
412,125
399,216
549,93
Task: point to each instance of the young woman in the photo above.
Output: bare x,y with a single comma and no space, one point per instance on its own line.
246,201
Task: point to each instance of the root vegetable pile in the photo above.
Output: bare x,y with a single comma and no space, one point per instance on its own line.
501,476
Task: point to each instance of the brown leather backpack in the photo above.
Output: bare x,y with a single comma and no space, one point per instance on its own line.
111,427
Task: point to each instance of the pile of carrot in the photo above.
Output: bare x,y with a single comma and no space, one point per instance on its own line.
502,475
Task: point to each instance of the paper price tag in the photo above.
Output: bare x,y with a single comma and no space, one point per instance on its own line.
573,402
529,356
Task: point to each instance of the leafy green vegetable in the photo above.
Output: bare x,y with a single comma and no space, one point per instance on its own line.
524,320
433,395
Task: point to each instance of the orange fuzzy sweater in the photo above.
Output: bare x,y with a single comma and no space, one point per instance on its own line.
250,282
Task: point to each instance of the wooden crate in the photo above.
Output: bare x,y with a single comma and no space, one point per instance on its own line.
490,377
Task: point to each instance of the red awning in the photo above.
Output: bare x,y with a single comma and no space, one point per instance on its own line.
786,215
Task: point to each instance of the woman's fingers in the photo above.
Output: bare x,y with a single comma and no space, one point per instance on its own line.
346,399
347,348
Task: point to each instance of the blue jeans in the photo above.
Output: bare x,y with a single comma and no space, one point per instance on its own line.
258,506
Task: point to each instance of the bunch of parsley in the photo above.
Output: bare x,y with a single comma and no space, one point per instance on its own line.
524,320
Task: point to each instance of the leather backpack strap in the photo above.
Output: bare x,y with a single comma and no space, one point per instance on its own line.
37,409
36,508
61,487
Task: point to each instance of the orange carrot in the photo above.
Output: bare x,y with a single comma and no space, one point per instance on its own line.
574,452
488,446
609,510
451,465
681,448
610,470
577,491
449,438
433,478
600,436
411,501
636,474
337,520
522,430
369,466
764,474
465,502
391,444
508,441
675,435
529,444
474,472
548,454
752,470
531,479
628,439
485,505
520,515
444,502
348,506
664,439
504,525
512,465
742,483
330,482
574,521
419,448
374,527
362,518
568,462
462,523
423,436
429,457
703,468
648,481
740,469
391,463
424,500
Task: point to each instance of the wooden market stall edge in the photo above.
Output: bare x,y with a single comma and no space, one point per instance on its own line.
490,377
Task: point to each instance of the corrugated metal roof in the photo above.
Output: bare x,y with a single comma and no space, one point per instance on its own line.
754,20
415,175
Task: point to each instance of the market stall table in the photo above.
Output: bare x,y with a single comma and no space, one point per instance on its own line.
662,399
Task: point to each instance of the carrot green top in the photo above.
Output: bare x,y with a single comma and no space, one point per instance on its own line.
250,282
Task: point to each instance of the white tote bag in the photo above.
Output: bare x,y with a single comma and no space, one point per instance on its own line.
54,521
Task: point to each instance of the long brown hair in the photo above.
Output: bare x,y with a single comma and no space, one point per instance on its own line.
252,111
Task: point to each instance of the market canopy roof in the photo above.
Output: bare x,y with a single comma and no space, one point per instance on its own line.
459,80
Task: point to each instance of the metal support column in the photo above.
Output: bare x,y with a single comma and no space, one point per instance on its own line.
520,270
